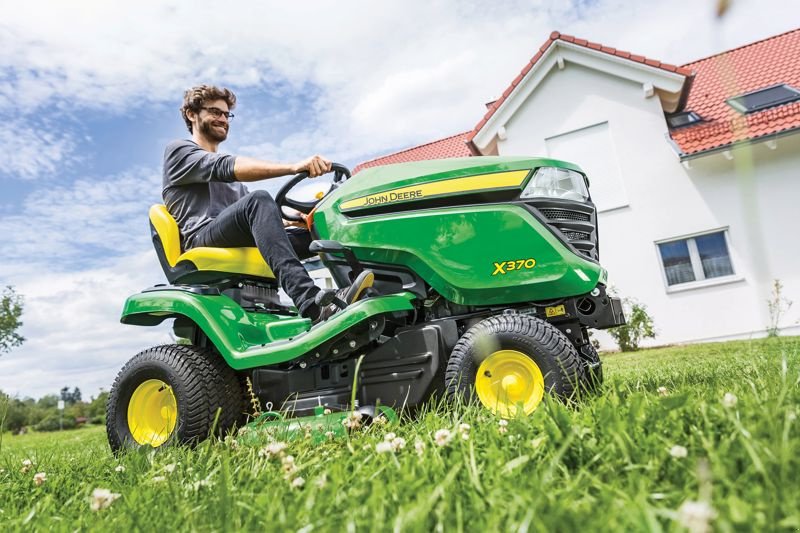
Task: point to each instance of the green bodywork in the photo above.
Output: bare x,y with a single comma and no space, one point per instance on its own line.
456,249
249,340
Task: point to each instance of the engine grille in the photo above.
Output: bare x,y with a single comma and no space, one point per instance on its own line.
564,214
573,222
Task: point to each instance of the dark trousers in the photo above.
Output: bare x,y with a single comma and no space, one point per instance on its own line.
255,220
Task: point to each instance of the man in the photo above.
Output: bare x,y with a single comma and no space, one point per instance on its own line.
203,192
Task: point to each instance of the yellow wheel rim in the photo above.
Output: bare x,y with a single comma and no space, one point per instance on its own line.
509,382
152,412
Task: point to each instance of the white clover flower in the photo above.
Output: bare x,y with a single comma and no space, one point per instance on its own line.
442,437
231,442
729,400
352,420
662,391
119,468
502,426
398,443
298,482
419,446
288,465
170,468
329,434
463,429
389,436
273,449
158,479
384,447
678,452
102,498
696,516
26,466
244,430
380,420
39,479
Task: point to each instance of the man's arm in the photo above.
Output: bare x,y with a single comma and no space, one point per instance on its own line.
249,169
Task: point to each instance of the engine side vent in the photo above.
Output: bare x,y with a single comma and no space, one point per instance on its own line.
564,214
573,222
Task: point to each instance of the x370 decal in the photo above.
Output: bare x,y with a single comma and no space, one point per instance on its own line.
504,267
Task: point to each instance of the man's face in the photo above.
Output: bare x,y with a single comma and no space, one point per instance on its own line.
214,128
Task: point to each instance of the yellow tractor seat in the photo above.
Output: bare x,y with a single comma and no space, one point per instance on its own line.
202,265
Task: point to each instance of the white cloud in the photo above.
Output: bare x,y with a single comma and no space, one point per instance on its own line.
71,323
32,151
82,223
388,74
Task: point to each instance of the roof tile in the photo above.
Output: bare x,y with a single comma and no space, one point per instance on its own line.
454,146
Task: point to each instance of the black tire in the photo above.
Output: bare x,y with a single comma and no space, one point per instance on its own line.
552,352
201,382
592,367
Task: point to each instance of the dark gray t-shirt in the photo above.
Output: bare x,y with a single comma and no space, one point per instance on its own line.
197,186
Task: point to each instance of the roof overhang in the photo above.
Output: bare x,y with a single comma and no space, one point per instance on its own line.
670,87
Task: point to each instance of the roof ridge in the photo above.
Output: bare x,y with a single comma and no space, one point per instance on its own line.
414,147
765,39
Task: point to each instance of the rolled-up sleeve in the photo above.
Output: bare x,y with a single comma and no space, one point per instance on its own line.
186,163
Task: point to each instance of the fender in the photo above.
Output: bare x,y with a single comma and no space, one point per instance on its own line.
247,340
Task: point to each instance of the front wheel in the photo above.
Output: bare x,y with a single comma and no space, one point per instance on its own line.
510,361
172,394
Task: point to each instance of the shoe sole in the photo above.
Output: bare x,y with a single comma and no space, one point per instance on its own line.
362,282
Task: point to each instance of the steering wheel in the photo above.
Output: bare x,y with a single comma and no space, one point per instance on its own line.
340,174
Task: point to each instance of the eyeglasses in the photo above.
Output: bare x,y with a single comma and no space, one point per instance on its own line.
217,112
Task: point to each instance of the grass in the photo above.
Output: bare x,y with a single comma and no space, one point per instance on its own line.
605,465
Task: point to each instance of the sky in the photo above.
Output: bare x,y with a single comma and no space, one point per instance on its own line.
90,92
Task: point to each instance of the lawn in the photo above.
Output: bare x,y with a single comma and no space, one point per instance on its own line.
706,433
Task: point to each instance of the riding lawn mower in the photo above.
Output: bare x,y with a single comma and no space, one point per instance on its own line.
486,282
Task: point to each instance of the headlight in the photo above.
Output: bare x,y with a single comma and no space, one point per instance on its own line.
555,182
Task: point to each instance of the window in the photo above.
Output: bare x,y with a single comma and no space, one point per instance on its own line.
686,118
696,258
764,98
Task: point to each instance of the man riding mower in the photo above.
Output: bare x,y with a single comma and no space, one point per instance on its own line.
486,281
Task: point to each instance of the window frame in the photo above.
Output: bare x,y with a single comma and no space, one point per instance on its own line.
697,266
741,108
694,117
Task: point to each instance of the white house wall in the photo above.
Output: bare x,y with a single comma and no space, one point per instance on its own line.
666,200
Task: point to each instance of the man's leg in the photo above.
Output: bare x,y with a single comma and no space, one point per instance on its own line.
256,220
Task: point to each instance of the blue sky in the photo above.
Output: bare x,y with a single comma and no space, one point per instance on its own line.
89,96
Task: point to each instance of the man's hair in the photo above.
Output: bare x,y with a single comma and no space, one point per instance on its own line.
196,97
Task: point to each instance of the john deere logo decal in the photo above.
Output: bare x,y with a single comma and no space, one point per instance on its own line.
508,266
482,182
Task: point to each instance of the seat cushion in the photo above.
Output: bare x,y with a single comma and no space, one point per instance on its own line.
244,261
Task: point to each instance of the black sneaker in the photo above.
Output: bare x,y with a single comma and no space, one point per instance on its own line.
344,296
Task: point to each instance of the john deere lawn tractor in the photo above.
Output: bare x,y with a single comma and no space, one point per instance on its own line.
486,282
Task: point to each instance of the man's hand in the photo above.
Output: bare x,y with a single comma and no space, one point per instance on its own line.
296,224
315,165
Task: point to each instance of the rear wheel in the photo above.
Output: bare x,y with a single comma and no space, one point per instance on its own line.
172,394
510,361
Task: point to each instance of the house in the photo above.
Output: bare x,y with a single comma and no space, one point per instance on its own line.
693,168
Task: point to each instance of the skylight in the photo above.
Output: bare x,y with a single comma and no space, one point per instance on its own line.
685,118
764,98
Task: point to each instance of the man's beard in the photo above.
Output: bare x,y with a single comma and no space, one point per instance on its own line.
208,130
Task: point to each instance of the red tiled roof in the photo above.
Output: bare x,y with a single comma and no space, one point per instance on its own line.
555,36
453,146
738,71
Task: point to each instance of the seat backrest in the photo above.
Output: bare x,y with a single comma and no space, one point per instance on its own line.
166,231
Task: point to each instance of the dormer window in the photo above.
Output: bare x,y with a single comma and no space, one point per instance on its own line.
764,98
685,118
